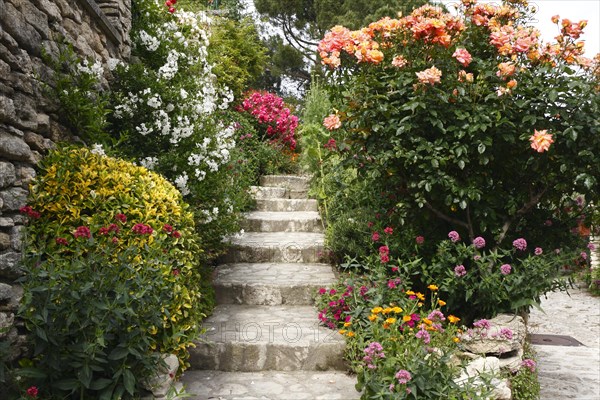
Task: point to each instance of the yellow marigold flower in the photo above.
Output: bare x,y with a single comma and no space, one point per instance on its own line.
420,296
397,310
377,310
387,310
432,287
427,321
342,331
410,293
406,318
372,317
441,302
453,319
347,324
455,339
390,320
153,330
350,334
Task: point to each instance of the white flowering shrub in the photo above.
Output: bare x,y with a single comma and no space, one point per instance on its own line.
169,114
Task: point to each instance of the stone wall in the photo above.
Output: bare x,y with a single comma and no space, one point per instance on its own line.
28,122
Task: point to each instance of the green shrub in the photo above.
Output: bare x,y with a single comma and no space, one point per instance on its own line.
111,275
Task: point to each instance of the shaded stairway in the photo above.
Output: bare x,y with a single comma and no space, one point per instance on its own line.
263,340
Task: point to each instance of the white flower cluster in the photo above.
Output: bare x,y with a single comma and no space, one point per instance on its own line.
212,153
94,69
179,113
148,41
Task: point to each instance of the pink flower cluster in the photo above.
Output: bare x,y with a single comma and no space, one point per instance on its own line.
520,244
460,270
403,376
372,351
30,212
142,229
82,231
270,111
384,254
479,242
453,236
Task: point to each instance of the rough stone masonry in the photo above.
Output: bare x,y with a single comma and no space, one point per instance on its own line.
29,123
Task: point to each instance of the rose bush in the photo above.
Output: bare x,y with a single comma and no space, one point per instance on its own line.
469,122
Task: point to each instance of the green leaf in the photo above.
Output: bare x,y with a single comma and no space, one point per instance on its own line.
481,148
129,381
461,164
118,353
100,384
67,384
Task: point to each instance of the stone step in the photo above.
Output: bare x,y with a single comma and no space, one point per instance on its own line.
291,182
287,205
270,283
274,385
268,192
282,221
294,247
252,338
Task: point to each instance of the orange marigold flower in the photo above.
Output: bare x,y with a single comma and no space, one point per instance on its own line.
541,140
430,76
442,303
332,122
406,318
350,334
386,310
420,296
410,293
432,287
453,319
372,317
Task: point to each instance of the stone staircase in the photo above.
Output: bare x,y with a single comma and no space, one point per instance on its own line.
263,340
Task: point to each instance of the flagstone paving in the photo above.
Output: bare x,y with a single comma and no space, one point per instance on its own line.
569,372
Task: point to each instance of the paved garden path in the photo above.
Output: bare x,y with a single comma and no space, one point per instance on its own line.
569,372
263,340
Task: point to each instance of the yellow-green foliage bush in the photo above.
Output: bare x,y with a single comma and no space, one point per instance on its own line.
112,277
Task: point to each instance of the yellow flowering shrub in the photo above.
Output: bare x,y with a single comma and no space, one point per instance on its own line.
112,275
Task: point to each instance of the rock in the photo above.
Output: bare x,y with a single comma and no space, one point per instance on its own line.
14,148
4,241
25,175
36,18
50,9
6,222
14,301
506,334
5,292
7,174
7,108
10,267
43,122
162,382
16,237
14,198
35,141
15,24
6,322
490,367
